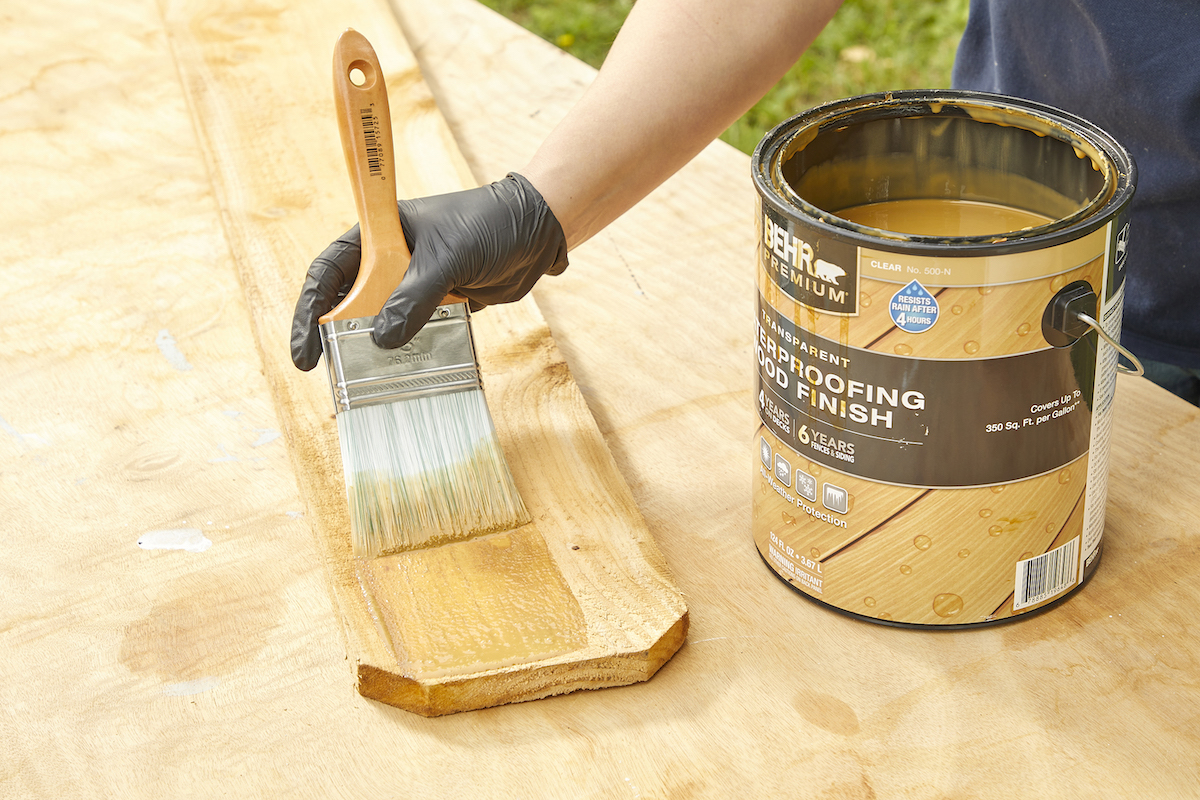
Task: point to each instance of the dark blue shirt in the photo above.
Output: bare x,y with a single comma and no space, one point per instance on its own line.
1132,68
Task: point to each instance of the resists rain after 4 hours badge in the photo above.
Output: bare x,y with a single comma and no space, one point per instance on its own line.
913,308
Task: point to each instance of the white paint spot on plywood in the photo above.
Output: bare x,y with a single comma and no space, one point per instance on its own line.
266,436
189,539
166,346
28,441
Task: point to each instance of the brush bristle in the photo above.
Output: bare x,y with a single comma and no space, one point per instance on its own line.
423,471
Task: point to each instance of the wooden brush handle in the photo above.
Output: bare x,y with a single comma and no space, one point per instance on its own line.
365,123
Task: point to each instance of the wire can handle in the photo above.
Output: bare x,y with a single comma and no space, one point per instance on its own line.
1137,369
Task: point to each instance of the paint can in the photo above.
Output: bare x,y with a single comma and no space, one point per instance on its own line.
940,282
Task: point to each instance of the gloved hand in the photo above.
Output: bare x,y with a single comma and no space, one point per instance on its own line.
489,245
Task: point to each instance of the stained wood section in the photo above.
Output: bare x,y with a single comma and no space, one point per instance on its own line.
509,605
584,583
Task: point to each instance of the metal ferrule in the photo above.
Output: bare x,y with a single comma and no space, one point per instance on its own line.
440,358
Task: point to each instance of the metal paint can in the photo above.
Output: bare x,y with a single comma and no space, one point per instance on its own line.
940,276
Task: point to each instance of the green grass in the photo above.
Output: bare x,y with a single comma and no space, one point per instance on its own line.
870,46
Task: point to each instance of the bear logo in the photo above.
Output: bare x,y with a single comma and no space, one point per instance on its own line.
828,272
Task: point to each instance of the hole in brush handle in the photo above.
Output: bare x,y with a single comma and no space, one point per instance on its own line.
361,73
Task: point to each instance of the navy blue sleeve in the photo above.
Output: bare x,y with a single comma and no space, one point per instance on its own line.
1134,70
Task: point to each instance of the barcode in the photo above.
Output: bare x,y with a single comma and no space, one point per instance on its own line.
371,136
1046,575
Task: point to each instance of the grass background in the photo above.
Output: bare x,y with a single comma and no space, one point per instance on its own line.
870,46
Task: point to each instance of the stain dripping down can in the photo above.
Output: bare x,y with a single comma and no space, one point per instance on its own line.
940,275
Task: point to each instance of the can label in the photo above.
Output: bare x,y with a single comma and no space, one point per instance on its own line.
919,422
925,456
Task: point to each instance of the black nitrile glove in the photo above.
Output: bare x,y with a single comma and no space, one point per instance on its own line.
489,245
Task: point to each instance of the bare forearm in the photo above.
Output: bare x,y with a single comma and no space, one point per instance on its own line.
679,73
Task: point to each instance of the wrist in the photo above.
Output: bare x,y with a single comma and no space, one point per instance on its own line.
562,191
546,237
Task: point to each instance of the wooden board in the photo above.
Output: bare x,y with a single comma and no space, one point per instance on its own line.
581,597
151,673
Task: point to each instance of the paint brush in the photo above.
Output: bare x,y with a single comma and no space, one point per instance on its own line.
422,462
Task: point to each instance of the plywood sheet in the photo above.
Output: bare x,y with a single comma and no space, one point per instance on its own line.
150,673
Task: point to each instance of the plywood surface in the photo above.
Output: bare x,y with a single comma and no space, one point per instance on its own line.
222,670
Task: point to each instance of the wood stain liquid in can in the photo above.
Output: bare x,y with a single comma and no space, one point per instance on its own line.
934,416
